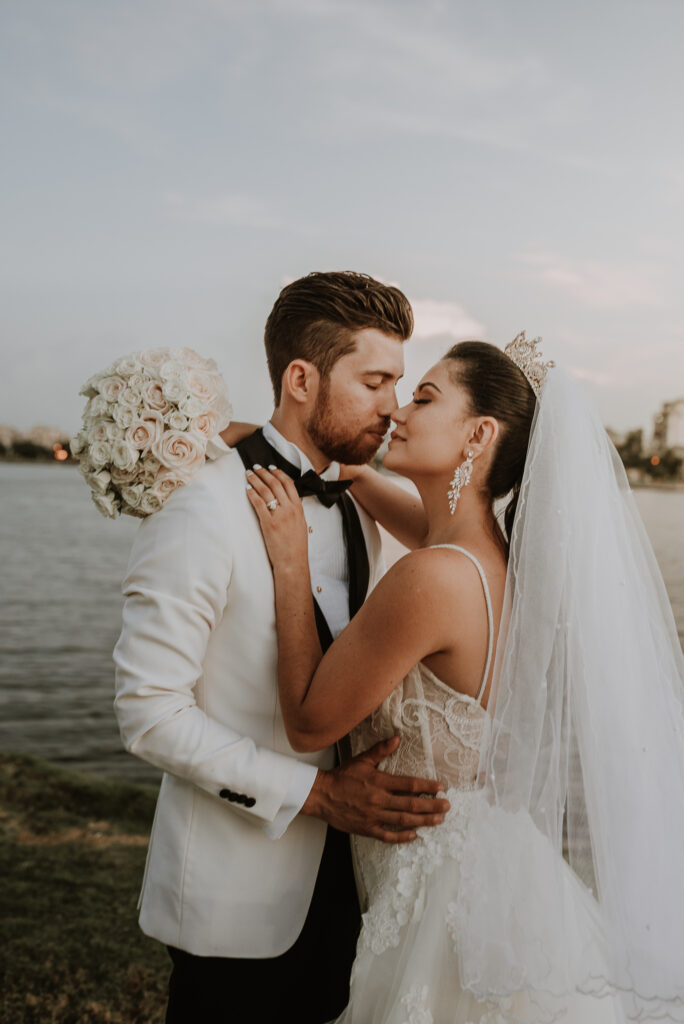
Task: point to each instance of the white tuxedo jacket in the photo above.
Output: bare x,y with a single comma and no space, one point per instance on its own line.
196,695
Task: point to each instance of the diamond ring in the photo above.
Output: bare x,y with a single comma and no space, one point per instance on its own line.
272,505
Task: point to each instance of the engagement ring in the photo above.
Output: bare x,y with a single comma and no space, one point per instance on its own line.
272,505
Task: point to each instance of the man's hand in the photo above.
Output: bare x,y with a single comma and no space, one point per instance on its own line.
358,798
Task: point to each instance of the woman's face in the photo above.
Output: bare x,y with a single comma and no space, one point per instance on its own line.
433,431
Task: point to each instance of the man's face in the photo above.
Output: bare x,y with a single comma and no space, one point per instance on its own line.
355,403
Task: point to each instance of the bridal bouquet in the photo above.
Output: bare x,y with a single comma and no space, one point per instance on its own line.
146,427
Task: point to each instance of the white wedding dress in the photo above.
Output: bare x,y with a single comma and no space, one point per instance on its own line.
406,969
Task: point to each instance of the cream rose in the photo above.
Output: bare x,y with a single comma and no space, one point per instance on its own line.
111,387
206,423
146,431
97,406
100,453
153,396
100,481
153,358
98,431
121,477
150,503
192,406
174,390
176,420
108,504
127,365
165,484
78,443
189,358
124,415
182,452
132,494
201,385
124,455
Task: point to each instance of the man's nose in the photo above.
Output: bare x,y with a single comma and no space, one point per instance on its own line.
399,414
389,404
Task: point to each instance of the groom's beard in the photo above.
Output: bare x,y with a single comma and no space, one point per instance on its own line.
336,439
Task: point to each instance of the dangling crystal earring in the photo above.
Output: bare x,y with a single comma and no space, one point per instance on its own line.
461,479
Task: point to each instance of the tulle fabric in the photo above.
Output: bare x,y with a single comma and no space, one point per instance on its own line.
586,751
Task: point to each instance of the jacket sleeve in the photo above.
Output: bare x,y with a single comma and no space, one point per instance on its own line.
175,590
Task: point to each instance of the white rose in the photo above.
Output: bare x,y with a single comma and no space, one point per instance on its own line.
99,453
114,431
124,455
176,420
150,503
129,396
172,370
202,385
111,387
100,481
174,390
97,431
182,452
192,406
153,396
189,358
97,406
144,432
132,493
124,415
153,358
107,504
78,442
126,476
206,423
127,365
166,483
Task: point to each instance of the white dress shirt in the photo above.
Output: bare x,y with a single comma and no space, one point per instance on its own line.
330,584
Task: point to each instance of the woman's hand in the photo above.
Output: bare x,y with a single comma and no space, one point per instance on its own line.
283,524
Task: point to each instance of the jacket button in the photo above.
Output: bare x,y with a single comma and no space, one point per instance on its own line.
226,794
250,801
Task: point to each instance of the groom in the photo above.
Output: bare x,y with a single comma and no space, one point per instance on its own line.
249,879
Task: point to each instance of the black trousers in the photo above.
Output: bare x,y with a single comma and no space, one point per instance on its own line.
308,983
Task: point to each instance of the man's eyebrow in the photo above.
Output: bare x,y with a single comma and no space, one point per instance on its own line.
426,384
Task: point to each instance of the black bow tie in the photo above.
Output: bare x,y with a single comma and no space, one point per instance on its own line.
328,492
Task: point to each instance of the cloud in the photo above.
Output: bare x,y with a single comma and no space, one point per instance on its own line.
435,319
236,209
596,284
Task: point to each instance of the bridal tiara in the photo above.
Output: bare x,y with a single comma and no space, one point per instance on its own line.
528,358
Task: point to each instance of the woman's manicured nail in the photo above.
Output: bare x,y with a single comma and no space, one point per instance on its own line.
256,466
271,468
249,472
249,487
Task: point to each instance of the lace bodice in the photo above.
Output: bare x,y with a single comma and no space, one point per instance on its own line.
441,730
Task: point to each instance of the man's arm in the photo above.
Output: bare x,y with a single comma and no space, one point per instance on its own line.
176,590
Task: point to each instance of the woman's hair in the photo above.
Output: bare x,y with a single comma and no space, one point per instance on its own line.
315,317
498,388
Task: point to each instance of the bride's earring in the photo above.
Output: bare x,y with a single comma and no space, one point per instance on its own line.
461,479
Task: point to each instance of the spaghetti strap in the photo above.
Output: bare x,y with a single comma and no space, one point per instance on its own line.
490,614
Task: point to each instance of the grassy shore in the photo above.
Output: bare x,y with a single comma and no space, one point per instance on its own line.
72,851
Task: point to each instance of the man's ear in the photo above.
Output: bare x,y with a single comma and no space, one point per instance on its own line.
300,381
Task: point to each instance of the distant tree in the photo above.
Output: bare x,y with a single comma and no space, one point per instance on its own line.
25,449
631,450
668,466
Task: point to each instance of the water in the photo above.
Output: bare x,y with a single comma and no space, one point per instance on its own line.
61,566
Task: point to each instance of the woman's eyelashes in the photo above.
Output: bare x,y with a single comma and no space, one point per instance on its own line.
421,401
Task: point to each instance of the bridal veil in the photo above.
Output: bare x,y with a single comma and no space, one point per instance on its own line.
573,870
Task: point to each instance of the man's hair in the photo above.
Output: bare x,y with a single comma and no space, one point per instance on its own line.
315,318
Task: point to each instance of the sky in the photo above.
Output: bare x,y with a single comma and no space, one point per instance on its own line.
167,166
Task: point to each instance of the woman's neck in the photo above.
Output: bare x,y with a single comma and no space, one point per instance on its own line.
473,518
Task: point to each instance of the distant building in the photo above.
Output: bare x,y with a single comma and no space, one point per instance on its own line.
8,435
668,429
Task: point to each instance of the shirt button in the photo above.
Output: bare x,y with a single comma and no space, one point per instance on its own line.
319,590
311,529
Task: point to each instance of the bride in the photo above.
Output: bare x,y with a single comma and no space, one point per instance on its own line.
537,674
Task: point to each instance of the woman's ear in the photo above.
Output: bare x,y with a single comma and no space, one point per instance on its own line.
484,435
300,381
